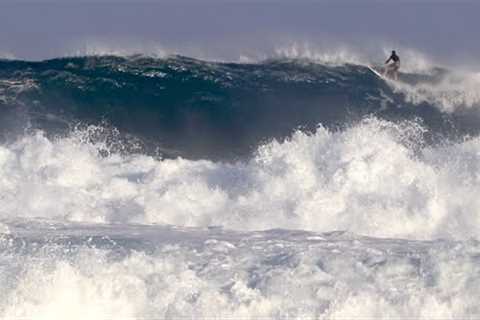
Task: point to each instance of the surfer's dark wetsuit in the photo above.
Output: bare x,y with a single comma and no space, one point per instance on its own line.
393,58
393,67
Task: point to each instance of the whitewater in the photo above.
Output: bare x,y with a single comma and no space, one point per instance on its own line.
170,187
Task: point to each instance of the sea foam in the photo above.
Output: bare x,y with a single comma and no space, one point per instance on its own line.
375,178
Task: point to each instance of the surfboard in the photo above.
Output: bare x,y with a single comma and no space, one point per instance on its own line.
376,72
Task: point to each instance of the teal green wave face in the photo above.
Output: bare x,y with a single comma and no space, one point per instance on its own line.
199,109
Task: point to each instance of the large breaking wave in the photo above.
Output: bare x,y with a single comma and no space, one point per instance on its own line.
195,109
137,187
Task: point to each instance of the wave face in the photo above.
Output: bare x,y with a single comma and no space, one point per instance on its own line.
195,109
133,187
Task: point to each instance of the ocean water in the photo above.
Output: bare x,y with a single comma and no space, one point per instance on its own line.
139,187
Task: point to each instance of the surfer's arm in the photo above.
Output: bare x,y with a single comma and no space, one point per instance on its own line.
388,60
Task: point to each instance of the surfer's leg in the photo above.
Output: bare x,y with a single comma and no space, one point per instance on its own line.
396,67
386,70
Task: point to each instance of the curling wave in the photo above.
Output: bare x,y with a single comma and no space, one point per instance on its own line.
177,106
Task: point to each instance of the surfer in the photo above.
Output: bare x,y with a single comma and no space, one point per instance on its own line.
392,68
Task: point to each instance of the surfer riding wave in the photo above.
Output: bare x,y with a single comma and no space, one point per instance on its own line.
391,69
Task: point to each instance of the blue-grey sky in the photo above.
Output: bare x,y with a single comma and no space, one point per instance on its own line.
45,29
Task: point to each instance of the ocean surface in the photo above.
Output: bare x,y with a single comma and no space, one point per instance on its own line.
138,187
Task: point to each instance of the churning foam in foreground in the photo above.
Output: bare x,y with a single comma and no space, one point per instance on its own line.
257,276
374,178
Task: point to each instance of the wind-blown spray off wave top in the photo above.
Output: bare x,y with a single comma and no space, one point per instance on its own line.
167,188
